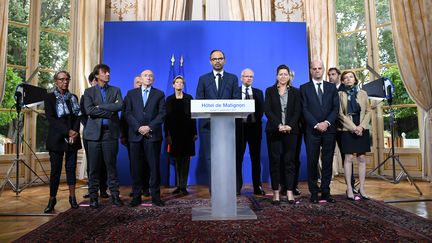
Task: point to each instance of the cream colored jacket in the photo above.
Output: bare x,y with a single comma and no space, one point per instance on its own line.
345,120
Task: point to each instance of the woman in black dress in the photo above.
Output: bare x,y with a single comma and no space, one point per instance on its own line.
63,113
354,118
180,132
283,109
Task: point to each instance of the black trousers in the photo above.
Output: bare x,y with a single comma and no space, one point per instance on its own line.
251,134
314,142
104,151
182,171
102,173
297,164
146,170
281,150
145,154
56,161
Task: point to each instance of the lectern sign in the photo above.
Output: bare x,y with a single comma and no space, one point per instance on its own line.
203,108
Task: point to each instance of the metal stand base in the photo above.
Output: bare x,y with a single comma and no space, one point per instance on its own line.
203,214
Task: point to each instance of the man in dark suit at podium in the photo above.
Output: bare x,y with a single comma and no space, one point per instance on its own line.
145,113
215,85
249,131
320,102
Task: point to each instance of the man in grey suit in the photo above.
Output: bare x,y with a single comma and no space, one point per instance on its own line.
145,113
215,85
102,103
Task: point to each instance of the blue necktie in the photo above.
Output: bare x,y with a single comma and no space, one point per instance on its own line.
145,96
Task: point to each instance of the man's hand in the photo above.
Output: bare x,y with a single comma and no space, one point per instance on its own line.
144,130
322,126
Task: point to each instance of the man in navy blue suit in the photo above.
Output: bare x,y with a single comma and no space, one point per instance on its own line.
249,131
214,85
145,113
320,102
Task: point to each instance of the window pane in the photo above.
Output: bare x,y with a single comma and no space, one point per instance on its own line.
41,133
362,76
385,45
19,11
352,50
350,15
8,133
17,45
400,95
55,14
406,132
53,51
46,80
382,11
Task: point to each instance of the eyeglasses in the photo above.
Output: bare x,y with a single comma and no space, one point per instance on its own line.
217,59
64,79
246,76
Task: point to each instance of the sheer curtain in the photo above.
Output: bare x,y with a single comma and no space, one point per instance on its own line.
3,47
88,37
161,10
320,21
248,10
412,34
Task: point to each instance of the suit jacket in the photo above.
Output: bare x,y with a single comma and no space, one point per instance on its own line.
152,115
273,109
59,128
206,90
345,120
259,104
313,111
97,110
207,87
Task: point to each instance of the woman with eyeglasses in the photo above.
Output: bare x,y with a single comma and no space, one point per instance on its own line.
354,118
63,141
282,108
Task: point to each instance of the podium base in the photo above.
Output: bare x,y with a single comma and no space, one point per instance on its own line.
203,214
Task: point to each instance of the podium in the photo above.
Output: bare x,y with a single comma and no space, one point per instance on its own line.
222,114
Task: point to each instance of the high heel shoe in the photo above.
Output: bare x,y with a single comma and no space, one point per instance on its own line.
348,197
73,202
51,204
364,197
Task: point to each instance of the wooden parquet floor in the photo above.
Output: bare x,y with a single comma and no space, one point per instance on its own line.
33,201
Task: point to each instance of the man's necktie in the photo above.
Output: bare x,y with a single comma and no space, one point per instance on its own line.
247,95
250,117
320,93
219,81
145,96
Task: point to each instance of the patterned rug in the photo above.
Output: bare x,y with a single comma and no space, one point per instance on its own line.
365,221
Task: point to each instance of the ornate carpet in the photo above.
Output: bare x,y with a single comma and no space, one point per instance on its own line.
365,221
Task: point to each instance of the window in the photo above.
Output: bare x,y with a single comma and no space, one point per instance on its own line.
367,39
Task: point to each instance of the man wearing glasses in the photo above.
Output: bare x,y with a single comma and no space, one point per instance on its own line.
215,85
249,131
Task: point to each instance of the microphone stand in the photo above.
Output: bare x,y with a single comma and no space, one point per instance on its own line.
394,158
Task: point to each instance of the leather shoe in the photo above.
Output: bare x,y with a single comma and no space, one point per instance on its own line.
104,194
51,204
94,203
296,192
146,193
73,202
86,195
158,202
176,191
314,198
135,202
116,201
184,191
259,191
328,198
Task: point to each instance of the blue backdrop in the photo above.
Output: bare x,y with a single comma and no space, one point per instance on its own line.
131,47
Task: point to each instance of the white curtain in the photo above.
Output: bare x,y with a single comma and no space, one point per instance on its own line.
249,10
